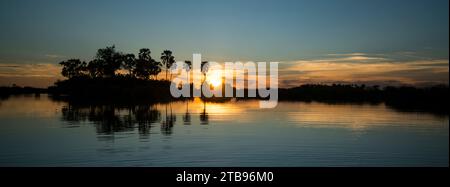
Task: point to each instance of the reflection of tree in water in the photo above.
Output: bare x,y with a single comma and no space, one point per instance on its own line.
145,116
74,114
167,124
204,115
187,115
3,97
109,119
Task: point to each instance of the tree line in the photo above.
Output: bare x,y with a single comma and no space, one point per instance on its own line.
108,61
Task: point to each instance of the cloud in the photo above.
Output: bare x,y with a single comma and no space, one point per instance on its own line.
357,59
352,57
54,56
347,54
354,68
38,75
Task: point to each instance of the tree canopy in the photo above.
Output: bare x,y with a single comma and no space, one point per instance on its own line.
108,61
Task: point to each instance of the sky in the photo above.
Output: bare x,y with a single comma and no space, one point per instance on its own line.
315,41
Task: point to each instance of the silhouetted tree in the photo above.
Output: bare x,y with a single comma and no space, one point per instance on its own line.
205,68
129,63
167,60
146,66
187,65
144,54
73,68
94,69
109,61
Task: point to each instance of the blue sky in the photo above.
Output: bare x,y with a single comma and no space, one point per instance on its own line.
48,31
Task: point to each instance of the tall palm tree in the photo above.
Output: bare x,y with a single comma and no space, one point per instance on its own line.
204,68
188,65
167,60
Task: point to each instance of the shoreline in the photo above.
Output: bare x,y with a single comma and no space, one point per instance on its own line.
134,91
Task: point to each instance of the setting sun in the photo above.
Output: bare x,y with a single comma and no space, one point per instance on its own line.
215,77
215,81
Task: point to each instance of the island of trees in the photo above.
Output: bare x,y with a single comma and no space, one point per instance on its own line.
113,74
117,75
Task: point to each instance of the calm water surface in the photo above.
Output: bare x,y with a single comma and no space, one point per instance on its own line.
37,131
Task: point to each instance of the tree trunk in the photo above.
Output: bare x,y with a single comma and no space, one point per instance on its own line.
166,72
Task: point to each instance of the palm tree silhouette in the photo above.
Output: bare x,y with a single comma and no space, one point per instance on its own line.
205,68
187,65
167,60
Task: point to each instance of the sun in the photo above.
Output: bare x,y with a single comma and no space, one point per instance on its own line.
215,81
215,78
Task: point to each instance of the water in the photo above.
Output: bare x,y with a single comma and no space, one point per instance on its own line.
37,131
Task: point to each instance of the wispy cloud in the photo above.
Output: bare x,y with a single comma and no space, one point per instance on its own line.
38,75
54,56
30,70
356,58
347,54
364,69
